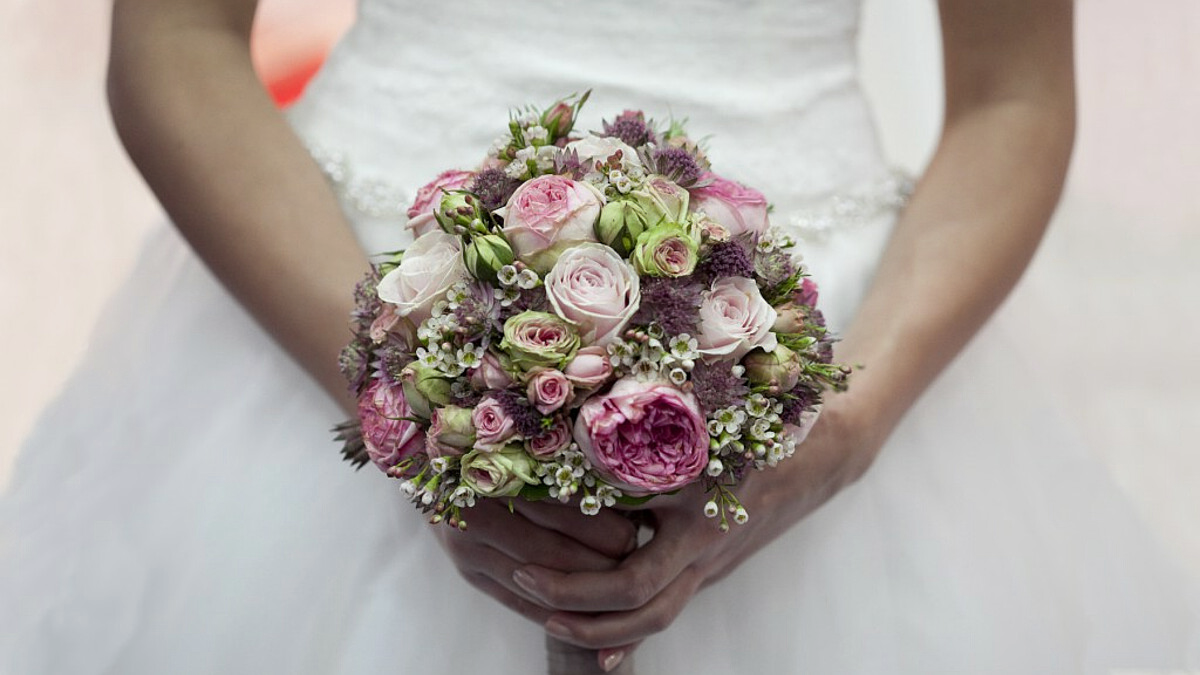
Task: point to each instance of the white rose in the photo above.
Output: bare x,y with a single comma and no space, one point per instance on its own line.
595,148
596,289
430,267
734,318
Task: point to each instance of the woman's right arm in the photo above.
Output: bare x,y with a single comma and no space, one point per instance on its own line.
235,180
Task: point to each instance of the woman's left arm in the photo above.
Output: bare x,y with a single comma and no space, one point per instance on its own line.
967,235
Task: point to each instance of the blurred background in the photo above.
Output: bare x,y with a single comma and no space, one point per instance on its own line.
1112,295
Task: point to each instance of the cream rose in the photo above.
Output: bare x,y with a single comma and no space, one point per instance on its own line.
592,149
594,288
734,318
429,268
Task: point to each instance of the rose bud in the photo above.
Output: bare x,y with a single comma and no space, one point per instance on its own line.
539,339
621,223
451,431
665,251
778,369
662,200
559,120
458,209
491,373
486,255
424,388
791,318
498,474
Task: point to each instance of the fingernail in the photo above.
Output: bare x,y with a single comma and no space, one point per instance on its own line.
558,629
612,661
525,580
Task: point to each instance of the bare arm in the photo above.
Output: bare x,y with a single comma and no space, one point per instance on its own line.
231,174
967,235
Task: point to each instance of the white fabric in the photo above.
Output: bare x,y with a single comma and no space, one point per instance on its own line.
180,508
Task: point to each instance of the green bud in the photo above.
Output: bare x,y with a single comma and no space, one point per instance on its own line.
779,369
485,255
424,389
539,339
662,200
621,223
459,210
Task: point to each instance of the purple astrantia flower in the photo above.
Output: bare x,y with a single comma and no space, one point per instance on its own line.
793,408
774,267
525,418
631,128
672,303
352,362
493,187
726,259
677,165
715,386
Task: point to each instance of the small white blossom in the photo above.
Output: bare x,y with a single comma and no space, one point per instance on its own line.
715,468
711,510
527,279
678,376
507,275
741,516
537,133
589,505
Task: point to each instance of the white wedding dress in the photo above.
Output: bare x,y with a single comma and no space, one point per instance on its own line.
182,508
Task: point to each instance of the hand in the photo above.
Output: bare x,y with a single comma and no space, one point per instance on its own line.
613,610
550,535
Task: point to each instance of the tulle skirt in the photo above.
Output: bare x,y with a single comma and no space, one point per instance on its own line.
181,509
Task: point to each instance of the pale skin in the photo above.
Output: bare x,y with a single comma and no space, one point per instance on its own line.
246,195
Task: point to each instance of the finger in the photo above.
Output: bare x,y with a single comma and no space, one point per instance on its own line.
612,630
610,659
608,532
529,543
635,582
516,603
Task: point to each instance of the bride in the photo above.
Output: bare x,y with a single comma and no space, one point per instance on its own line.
185,511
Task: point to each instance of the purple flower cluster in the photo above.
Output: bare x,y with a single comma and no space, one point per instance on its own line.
774,267
674,304
800,400
726,259
526,419
715,386
631,128
493,187
677,164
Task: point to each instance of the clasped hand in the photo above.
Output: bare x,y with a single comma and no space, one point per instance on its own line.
586,580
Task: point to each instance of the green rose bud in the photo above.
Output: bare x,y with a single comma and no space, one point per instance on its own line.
662,200
424,388
485,255
451,431
667,250
621,223
779,369
498,474
459,210
539,339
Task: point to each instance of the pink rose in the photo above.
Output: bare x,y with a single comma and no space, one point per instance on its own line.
734,318
429,268
548,390
420,214
548,214
490,374
590,368
548,444
742,210
643,437
389,438
493,426
596,289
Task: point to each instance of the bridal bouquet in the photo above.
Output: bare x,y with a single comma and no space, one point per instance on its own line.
591,316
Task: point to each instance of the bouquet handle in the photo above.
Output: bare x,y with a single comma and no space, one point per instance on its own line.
567,659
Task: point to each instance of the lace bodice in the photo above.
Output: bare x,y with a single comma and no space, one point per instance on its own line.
418,87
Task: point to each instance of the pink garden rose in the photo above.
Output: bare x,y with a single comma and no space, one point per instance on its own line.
420,214
548,214
493,426
742,210
596,289
556,438
429,268
734,318
390,439
549,390
644,437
